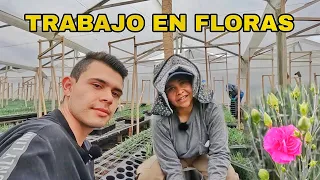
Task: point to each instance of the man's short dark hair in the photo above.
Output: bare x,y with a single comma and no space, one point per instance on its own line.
103,57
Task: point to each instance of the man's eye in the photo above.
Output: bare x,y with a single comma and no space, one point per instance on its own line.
116,94
97,85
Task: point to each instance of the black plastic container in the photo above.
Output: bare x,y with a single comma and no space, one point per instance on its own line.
103,130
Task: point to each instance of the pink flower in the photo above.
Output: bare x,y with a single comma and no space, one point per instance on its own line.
281,144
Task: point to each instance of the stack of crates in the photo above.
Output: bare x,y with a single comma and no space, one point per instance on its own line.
234,108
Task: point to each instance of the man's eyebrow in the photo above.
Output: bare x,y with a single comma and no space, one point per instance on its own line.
100,80
104,82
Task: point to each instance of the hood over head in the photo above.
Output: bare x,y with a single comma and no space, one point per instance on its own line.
176,64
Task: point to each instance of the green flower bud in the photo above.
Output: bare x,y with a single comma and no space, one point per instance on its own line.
304,123
308,137
283,169
311,119
267,120
297,134
255,116
314,89
263,174
295,94
245,116
313,147
272,100
304,109
313,163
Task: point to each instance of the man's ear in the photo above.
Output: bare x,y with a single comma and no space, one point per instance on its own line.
67,83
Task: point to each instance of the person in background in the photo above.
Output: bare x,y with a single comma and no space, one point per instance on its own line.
233,92
54,146
188,127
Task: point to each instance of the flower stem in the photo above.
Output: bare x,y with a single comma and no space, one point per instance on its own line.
253,142
261,147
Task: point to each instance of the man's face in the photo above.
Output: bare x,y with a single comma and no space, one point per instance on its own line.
179,92
94,98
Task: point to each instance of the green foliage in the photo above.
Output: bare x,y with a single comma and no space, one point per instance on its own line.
132,144
18,107
228,117
126,112
111,122
242,166
236,137
5,127
149,150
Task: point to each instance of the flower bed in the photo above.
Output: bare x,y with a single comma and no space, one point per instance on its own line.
18,107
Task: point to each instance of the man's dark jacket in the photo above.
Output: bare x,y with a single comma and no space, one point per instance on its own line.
44,149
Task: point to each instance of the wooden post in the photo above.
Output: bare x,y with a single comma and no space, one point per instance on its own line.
239,87
127,92
167,36
12,92
18,91
248,80
31,89
272,73
27,91
282,49
137,92
310,69
290,67
133,89
138,120
262,80
50,89
8,90
227,72
223,90
7,84
2,91
149,93
35,91
24,94
53,98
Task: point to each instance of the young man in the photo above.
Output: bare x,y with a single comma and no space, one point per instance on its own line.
54,146
188,127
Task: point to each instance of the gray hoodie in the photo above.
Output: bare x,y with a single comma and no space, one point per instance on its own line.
207,132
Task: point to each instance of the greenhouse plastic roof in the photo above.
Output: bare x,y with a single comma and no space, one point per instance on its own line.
21,47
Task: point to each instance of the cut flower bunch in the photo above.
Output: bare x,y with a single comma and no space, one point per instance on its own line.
283,130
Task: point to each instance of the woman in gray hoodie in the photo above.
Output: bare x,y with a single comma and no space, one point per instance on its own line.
188,127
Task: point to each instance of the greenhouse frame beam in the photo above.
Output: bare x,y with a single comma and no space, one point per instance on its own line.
201,41
306,19
6,25
117,4
257,37
294,35
24,25
22,67
309,61
246,55
100,5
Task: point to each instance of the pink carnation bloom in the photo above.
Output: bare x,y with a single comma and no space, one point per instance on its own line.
281,144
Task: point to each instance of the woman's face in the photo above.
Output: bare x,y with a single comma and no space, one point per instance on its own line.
179,92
